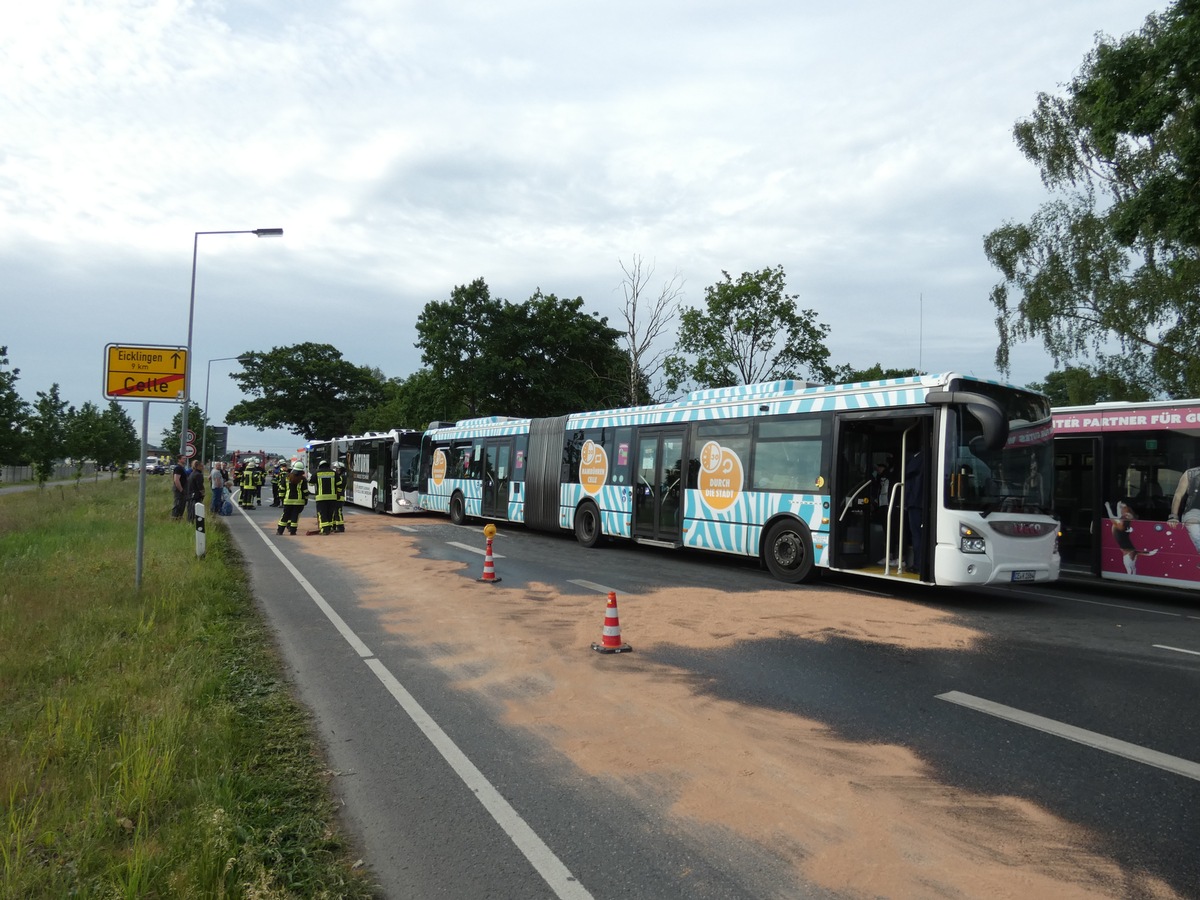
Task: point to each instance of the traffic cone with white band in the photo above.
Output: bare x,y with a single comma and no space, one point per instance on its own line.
610,642
489,565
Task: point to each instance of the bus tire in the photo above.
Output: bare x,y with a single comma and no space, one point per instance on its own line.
587,524
788,551
458,510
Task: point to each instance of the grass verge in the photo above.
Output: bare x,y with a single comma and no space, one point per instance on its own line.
149,745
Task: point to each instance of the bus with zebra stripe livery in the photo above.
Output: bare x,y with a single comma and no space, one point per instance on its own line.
900,478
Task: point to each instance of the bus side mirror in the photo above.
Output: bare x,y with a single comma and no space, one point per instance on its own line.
992,420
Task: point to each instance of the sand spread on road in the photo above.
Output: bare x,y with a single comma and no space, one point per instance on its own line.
865,820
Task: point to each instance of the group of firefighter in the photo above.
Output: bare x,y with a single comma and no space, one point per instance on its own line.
291,489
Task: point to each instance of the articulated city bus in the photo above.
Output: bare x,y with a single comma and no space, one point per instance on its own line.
1127,489
902,478
381,468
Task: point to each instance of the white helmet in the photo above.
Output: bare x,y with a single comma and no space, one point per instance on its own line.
297,466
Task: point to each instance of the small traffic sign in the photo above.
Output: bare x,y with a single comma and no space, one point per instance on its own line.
143,372
189,450
191,436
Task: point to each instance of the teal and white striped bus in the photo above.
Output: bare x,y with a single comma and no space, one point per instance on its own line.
904,478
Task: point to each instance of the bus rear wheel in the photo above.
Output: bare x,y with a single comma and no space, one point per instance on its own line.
458,510
587,525
788,551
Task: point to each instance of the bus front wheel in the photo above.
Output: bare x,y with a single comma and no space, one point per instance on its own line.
587,525
789,551
458,510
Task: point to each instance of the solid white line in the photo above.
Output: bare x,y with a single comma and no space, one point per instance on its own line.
590,585
351,638
1163,761
462,546
405,528
1176,649
549,866
541,857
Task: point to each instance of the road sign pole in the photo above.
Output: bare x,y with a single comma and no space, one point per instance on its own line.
141,519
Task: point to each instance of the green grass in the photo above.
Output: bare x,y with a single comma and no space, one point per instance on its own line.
149,746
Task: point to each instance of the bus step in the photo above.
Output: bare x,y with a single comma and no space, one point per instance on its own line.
670,545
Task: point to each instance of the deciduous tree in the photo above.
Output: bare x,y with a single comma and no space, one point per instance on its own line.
647,319
543,357
748,331
307,387
1109,268
14,415
47,433
1082,386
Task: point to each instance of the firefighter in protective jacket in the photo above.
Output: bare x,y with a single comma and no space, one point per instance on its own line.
295,498
341,485
325,485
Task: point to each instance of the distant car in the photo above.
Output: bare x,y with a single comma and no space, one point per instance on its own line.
154,467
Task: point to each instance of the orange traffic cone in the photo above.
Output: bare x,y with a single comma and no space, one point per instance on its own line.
489,565
611,641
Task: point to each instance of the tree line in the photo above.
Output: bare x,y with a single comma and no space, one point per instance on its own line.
47,431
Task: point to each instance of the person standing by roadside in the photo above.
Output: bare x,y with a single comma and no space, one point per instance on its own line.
217,480
295,497
179,486
248,483
278,482
325,482
195,491
341,484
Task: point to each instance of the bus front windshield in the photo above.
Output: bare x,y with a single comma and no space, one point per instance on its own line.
1014,477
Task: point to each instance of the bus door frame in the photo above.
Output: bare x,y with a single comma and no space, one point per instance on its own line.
1072,523
494,491
656,522
852,431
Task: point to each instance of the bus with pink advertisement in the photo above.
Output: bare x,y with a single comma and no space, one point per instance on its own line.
1127,491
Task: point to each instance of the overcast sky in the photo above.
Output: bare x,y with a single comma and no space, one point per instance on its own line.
407,147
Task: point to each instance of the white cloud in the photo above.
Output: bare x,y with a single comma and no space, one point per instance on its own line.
406,148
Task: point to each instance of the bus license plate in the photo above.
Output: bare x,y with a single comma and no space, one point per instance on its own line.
1024,575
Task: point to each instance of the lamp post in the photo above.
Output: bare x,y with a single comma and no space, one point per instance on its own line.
207,381
187,373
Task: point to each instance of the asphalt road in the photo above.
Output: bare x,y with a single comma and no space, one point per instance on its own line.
1081,699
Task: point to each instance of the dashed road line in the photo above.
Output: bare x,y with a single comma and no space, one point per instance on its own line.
591,585
1176,649
1093,739
469,548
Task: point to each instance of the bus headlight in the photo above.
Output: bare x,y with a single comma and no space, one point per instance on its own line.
970,540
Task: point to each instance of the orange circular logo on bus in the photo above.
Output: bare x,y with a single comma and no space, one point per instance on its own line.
439,467
593,467
720,480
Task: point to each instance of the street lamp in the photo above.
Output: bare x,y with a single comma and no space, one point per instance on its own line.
204,426
187,367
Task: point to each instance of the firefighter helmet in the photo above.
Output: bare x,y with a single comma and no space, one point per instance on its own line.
297,466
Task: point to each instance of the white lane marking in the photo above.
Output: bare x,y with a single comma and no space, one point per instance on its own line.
1176,649
534,849
405,528
468,547
1163,761
591,585
549,866
1157,612
351,638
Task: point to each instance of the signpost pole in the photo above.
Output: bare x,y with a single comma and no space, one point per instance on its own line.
141,518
